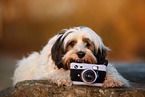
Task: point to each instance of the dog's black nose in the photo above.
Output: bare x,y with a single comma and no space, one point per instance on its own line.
81,54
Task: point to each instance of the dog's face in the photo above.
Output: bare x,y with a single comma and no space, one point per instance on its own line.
80,44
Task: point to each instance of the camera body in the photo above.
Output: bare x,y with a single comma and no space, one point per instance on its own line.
87,74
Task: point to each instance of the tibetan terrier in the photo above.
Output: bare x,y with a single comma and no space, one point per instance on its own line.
78,44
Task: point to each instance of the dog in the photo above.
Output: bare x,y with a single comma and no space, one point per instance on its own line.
78,44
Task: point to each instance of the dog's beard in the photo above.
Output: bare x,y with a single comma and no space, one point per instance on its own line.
71,57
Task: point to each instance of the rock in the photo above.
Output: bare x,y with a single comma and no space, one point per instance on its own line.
43,88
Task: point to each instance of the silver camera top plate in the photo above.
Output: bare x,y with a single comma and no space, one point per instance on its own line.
100,67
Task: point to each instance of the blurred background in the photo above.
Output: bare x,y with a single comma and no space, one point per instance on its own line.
27,25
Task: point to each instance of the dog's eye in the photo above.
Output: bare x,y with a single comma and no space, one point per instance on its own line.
72,43
87,44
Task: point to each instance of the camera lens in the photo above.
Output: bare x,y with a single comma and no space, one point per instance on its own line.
89,76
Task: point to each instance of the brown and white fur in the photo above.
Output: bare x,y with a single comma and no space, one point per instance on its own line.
53,62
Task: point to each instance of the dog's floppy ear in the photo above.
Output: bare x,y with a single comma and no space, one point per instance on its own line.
101,55
45,54
57,52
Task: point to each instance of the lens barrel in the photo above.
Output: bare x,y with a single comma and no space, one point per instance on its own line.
89,76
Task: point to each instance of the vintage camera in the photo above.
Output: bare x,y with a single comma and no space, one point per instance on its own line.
87,74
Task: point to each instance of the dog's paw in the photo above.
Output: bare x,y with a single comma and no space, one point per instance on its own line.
63,82
112,81
60,77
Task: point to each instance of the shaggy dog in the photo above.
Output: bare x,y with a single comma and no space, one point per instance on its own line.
78,44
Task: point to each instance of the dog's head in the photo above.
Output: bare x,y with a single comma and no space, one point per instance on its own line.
78,44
